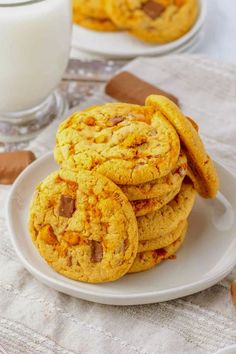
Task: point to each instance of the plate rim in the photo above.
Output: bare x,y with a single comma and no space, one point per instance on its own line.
107,298
157,50
226,350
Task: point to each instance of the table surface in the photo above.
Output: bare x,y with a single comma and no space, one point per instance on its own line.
219,41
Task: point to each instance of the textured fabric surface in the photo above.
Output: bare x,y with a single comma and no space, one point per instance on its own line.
37,319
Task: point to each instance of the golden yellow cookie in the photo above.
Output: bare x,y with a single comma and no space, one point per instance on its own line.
162,241
145,206
127,143
203,172
154,21
148,259
159,187
94,24
166,220
83,226
91,8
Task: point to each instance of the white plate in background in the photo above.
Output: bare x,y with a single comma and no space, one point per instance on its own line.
207,255
123,45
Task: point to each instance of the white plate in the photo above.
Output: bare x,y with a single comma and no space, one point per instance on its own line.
207,256
189,46
123,45
228,350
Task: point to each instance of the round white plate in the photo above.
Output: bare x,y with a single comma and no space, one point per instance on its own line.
189,46
207,256
228,350
123,45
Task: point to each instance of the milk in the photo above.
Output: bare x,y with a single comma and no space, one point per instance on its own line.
34,50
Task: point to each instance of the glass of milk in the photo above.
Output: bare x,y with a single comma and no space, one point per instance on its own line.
35,38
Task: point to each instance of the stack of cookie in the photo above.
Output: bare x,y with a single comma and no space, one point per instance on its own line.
127,184
155,21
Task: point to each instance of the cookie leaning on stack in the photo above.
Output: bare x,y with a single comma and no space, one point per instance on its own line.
119,160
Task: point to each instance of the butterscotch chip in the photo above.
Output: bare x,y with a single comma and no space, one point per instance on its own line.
90,121
153,9
233,292
48,236
99,242
72,238
67,206
96,251
126,87
13,163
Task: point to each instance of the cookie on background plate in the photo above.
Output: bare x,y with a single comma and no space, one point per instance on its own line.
154,21
148,259
91,8
83,226
127,143
201,167
96,24
167,219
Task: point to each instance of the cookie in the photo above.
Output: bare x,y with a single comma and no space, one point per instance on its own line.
148,259
159,187
91,8
166,220
145,206
105,24
154,21
83,226
201,167
127,143
162,241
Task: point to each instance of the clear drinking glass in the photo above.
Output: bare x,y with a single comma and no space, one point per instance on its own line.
35,38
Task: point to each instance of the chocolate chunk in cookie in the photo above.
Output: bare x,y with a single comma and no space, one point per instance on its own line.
153,9
67,206
96,251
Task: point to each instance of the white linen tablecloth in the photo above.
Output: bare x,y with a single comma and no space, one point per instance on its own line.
37,319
